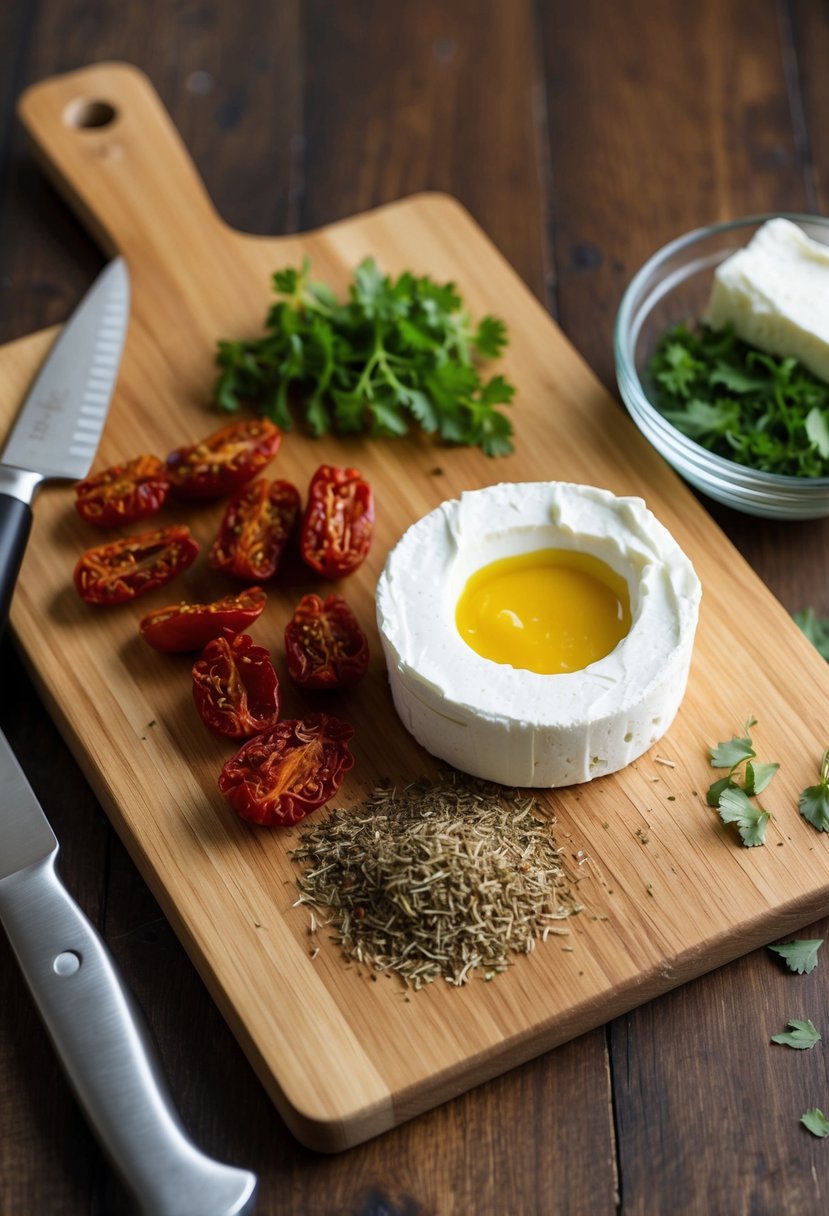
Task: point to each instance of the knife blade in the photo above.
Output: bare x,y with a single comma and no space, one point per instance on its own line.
95,1024
60,423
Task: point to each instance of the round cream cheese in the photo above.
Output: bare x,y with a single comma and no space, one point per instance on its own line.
515,726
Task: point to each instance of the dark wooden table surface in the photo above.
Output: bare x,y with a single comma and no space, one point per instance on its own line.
581,136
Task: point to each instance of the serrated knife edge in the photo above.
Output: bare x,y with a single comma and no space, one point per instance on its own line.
69,388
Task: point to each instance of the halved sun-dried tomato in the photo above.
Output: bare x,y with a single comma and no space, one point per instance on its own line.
221,464
184,626
123,493
125,569
336,529
257,525
235,687
279,777
324,644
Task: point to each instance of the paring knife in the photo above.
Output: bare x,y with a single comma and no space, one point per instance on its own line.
95,1025
57,431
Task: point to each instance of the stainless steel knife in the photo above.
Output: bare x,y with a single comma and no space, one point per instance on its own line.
89,1013
57,431
95,1025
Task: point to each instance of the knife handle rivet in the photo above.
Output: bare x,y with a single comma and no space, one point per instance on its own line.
67,963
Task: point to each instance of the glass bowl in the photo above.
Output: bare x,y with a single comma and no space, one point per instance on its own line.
673,286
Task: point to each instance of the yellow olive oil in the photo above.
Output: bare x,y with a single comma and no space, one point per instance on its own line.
549,611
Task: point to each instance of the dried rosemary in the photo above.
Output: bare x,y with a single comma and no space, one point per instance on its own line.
437,880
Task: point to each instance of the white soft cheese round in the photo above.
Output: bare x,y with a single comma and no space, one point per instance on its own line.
514,726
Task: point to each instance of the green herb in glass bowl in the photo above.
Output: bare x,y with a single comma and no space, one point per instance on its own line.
758,410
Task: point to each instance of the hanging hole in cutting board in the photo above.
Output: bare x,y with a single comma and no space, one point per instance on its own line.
86,114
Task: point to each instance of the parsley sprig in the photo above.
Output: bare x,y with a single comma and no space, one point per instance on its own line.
732,799
397,351
765,412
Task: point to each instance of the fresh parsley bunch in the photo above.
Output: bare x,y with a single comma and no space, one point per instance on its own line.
768,413
397,350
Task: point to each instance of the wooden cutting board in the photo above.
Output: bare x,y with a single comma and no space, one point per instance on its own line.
669,892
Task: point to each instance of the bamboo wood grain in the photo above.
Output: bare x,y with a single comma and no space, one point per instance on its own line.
342,1057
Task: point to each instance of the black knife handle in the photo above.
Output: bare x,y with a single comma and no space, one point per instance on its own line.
15,526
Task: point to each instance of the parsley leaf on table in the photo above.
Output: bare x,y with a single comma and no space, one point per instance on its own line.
813,803
735,750
800,956
718,788
803,1035
816,629
751,820
814,806
397,351
756,409
758,777
816,1122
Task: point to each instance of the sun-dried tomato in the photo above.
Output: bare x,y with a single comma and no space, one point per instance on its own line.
279,777
221,464
235,687
257,525
125,569
336,529
184,626
123,493
324,644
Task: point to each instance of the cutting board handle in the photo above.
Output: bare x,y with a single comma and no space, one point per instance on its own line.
110,146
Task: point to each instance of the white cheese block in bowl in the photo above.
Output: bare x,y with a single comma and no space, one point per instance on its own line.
515,726
775,294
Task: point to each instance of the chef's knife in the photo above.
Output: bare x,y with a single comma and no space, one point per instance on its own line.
57,431
95,1025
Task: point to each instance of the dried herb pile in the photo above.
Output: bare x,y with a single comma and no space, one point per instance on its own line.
437,880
